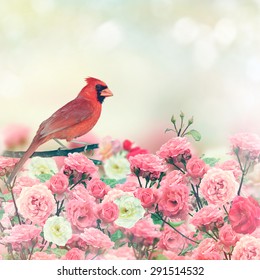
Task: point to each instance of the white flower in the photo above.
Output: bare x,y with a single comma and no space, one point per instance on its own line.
41,166
130,211
57,230
117,167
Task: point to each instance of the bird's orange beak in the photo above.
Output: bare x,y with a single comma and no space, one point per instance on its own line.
106,92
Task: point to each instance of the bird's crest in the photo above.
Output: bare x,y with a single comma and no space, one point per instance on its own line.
91,80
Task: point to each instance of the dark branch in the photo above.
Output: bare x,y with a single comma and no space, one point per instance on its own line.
55,153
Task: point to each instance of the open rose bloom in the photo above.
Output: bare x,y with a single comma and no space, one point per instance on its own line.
172,204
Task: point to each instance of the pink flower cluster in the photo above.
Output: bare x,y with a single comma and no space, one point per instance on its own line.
173,205
175,149
147,166
247,143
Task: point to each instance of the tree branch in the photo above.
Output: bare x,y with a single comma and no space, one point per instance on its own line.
55,153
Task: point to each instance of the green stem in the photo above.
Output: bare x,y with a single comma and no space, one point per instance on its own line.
197,197
183,133
177,167
15,206
212,236
147,181
79,181
183,235
139,181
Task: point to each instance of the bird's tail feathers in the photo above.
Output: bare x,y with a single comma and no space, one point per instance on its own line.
34,145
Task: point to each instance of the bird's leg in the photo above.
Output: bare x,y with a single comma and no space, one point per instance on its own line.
59,142
81,143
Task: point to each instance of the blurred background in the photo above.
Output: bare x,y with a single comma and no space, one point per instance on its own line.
157,56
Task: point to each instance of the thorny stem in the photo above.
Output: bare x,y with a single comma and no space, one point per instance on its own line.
139,181
175,127
1,227
183,133
225,209
59,208
54,153
30,255
15,205
147,181
244,170
183,235
79,181
179,132
212,236
177,167
197,197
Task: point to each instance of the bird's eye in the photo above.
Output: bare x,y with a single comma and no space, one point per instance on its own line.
100,87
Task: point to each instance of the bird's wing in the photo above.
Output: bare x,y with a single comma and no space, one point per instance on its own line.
72,113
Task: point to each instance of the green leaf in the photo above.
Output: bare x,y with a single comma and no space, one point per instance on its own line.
211,161
44,177
160,257
168,129
188,249
156,220
195,134
176,224
117,235
15,220
58,252
113,182
6,197
1,213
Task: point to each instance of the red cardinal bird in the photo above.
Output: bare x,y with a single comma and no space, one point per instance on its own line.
72,120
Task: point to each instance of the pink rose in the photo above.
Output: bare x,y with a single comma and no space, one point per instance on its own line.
97,188
174,200
108,212
208,249
77,242
121,253
80,214
145,230
147,196
208,217
22,182
171,240
74,254
21,234
247,143
58,183
96,238
196,167
130,185
7,165
36,203
43,256
175,149
147,166
80,193
231,165
113,194
247,248
174,177
227,236
244,215
79,163
218,186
